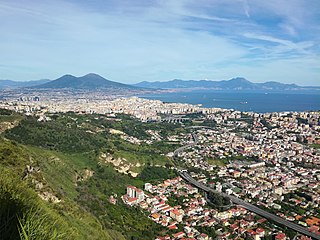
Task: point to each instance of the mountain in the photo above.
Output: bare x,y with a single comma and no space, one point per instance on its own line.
9,84
277,86
238,83
90,81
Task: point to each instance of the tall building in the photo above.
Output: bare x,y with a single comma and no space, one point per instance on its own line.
131,191
139,195
134,192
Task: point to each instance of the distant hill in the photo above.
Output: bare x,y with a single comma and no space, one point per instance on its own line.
9,84
232,84
94,81
90,81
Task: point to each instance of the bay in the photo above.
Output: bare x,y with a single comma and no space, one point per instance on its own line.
245,101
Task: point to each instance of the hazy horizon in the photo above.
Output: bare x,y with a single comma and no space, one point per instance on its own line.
214,80
130,42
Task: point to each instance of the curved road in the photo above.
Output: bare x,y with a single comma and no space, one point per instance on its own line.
253,208
181,149
195,140
238,201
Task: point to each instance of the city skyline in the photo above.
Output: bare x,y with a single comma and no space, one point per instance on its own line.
160,41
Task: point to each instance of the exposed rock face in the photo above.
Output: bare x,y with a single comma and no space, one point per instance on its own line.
31,170
83,176
7,125
120,164
88,174
55,160
40,184
49,197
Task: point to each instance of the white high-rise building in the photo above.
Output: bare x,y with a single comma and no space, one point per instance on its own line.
139,195
131,191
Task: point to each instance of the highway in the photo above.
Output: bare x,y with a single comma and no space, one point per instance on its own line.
181,149
238,201
252,208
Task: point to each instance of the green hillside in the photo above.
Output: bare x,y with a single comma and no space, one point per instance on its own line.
54,184
19,201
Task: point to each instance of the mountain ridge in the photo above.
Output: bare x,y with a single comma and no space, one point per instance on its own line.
10,84
238,83
90,81
93,81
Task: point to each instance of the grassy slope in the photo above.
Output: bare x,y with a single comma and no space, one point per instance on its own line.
77,222
60,168
85,209
93,193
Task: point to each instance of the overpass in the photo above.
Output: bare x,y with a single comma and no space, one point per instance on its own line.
181,149
252,208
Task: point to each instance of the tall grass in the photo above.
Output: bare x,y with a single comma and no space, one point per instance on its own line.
35,225
22,214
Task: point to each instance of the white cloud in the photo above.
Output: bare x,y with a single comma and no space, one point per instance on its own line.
159,41
286,45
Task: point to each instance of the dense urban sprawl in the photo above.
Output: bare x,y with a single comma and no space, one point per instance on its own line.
271,160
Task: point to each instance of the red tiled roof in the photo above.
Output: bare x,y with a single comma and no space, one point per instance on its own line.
280,236
259,230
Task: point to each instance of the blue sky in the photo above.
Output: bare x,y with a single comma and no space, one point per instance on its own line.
145,40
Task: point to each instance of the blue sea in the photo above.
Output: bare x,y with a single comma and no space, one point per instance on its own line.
260,102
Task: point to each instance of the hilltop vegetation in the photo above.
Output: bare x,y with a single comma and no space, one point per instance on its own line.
20,201
61,135
75,134
58,160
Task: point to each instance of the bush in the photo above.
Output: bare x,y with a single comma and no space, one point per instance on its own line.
156,173
55,135
218,200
